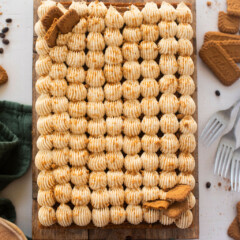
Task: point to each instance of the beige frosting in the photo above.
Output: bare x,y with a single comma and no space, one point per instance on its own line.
134,214
113,18
113,37
131,127
64,215
78,125
100,217
97,161
150,178
114,160
115,178
132,179
150,32
151,13
100,198
168,84
168,46
150,144
82,215
150,69
168,179
95,41
133,163
150,161
46,198
114,125
62,174
133,17
63,192
46,216
133,196
117,214
167,12
150,125
150,193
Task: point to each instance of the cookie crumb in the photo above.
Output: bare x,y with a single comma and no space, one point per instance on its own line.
209,3
219,184
3,75
208,185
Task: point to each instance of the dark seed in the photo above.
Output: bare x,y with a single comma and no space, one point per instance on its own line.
2,35
208,185
5,41
1,50
217,93
4,30
8,20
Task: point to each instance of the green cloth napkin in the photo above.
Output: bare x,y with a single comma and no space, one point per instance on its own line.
15,148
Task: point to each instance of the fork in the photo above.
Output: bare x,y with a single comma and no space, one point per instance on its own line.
235,171
225,150
216,125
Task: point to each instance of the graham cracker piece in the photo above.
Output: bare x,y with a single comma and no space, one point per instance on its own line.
68,21
176,209
159,204
227,23
221,64
3,75
178,193
51,14
232,47
218,36
52,34
233,230
233,7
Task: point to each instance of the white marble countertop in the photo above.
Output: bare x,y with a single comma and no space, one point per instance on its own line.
217,204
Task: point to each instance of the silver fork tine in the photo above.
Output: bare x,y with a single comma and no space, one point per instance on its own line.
212,133
209,131
216,135
232,172
210,122
236,176
225,159
217,158
228,162
221,160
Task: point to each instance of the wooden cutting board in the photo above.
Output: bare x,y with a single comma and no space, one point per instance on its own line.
118,232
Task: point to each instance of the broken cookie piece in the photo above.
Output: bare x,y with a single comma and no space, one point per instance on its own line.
218,36
68,21
221,64
233,230
233,7
159,204
50,15
227,23
52,34
178,193
3,75
176,209
232,47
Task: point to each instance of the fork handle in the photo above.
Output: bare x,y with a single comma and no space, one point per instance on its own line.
237,118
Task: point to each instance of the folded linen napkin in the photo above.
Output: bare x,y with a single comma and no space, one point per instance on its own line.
15,148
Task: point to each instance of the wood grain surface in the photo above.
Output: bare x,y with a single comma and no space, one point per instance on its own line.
126,230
